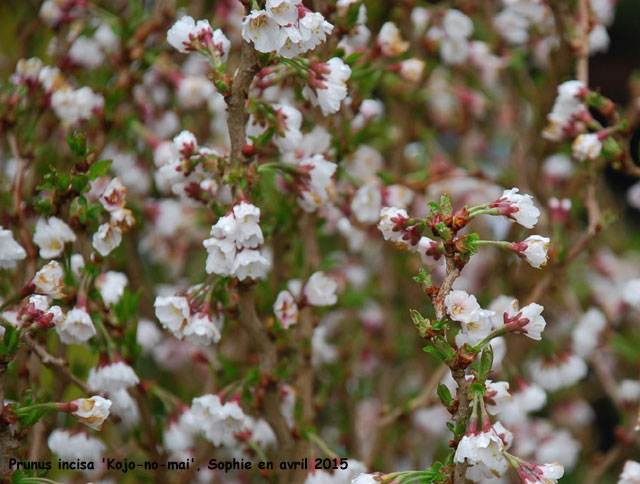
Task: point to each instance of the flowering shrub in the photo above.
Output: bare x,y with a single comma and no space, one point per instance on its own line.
317,242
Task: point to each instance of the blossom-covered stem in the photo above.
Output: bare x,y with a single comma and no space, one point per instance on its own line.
452,273
51,361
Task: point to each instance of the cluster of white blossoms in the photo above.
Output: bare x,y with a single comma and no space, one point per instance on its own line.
51,235
561,371
234,246
286,27
327,85
187,35
218,422
90,52
484,451
77,327
477,323
452,34
70,105
113,378
319,290
198,327
112,196
513,205
71,445
518,17
569,118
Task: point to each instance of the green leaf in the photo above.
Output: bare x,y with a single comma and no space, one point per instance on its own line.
78,143
79,182
445,395
16,477
99,168
439,324
11,340
477,387
352,14
353,58
432,350
441,349
485,363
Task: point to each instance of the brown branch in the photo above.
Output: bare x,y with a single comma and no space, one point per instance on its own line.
421,400
582,67
601,465
607,380
237,119
267,356
452,274
58,364
594,225
32,253
593,229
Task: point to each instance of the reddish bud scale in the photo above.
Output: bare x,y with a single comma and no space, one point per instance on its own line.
435,250
412,234
248,150
45,321
459,219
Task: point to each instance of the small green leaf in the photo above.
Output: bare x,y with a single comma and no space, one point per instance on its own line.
353,58
485,362
445,395
98,169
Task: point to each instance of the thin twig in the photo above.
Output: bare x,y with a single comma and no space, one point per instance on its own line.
17,201
582,67
59,364
417,402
